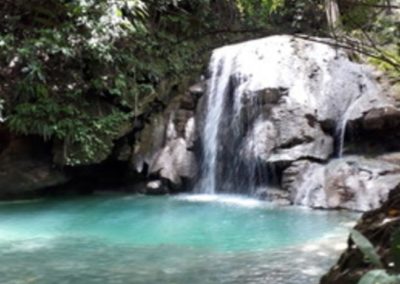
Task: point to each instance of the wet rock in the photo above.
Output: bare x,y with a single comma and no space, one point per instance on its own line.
259,141
124,153
284,107
299,136
393,158
198,89
26,169
379,118
164,148
286,135
304,180
156,187
150,140
352,183
174,162
275,195
379,227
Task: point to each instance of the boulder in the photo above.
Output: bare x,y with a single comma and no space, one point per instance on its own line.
282,99
164,149
300,135
26,169
150,140
379,227
174,162
353,183
156,187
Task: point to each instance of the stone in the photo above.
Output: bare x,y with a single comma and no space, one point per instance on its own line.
156,187
303,180
379,227
26,169
376,118
286,135
149,141
198,89
174,162
282,94
164,148
353,183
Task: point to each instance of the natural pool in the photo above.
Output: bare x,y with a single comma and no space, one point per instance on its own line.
184,239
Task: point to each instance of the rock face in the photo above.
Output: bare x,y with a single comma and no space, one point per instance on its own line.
378,227
164,150
287,104
25,168
274,112
353,183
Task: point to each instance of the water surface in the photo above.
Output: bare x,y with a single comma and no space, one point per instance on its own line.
185,239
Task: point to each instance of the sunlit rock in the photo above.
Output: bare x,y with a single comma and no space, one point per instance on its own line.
164,147
269,101
352,183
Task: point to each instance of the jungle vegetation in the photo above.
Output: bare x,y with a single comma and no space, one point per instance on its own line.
77,72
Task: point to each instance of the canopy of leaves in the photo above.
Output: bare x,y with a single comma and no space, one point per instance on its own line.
78,71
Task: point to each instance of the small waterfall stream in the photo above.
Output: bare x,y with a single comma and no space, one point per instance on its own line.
226,168
341,132
342,126
220,68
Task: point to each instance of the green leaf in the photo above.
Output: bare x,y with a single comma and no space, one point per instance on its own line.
379,276
395,249
366,248
118,13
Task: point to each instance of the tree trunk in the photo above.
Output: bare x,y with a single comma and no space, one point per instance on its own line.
333,16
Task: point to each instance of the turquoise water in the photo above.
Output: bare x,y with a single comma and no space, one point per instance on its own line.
133,239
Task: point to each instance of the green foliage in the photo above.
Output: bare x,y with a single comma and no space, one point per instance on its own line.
366,248
80,69
72,70
395,249
390,65
254,8
375,29
75,70
356,16
379,276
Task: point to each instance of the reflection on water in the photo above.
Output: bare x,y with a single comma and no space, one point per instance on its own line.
165,240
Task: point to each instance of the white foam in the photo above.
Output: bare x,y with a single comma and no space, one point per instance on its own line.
31,245
22,201
234,200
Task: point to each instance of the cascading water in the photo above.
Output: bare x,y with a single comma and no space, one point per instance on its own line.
271,102
220,69
223,169
341,130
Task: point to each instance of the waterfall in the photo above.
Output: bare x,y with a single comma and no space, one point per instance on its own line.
220,68
229,164
342,125
341,130
265,105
